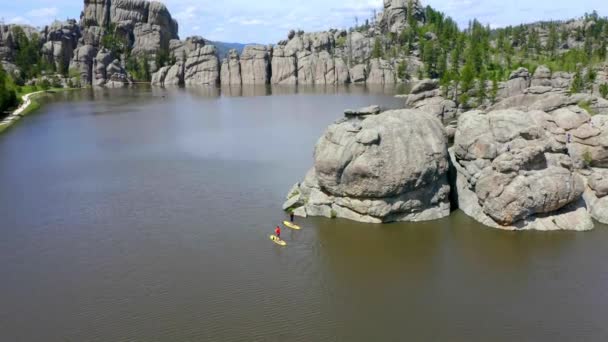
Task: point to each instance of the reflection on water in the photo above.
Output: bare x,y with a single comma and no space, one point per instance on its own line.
143,214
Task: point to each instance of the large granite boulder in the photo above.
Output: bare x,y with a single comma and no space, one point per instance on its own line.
596,194
202,67
378,168
255,64
231,69
514,173
542,77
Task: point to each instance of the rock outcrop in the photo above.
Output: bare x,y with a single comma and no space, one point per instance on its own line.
231,69
8,44
514,172
377,168
394,16
381,72
61,39
146,26
202,67
83,62
426,96
255,65
284,66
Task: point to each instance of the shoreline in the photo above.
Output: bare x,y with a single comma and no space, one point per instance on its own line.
29,104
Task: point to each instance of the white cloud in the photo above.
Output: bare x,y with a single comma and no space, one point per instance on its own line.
19,20
48,12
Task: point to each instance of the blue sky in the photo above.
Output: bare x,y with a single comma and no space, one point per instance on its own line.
269,20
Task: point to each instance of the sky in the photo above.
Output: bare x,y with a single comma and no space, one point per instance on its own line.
268,21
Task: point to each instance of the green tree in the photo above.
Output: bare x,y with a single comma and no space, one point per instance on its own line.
402,70
552,40
494,90
578,84
377,50
27,53
8,96
481,89
45,84
604,90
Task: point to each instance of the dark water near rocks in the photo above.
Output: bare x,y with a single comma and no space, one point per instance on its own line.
143,215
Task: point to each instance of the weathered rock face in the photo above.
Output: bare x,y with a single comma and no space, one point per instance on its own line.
255,65
100,64
283,66
542,77
518,81
108,71
83,62
181,49
8,45
596,194
146,26
358,73
394,17
175,74
202,67
358,46
551,101
377,168
514,173
231,69
381,72
427,97
61,38
96,13
116,75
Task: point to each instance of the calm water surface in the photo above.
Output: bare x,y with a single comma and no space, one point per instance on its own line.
144,214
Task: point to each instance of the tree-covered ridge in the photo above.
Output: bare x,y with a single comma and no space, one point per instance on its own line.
469,59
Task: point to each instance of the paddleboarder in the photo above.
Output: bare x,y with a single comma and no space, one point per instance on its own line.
277,232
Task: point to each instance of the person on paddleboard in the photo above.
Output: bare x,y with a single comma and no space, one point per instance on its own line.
277,232
291,216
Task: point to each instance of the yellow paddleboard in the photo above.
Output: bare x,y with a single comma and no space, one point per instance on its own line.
277,240
291,225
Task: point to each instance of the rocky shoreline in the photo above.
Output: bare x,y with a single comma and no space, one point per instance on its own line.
526,163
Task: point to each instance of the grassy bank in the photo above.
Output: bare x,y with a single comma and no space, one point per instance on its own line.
28,104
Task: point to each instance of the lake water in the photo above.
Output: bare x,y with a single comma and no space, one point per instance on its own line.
144,214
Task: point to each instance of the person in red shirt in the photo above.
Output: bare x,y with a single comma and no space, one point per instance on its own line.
277,232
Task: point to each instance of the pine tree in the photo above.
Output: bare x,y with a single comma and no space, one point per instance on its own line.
377,50
604,90
494,91
552,40
578,84
467,77
481,89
